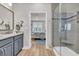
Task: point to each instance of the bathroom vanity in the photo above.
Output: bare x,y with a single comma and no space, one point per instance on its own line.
11,44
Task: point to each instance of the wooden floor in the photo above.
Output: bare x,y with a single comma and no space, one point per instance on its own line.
36,50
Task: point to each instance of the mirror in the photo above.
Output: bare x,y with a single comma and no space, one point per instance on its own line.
6,19
1,21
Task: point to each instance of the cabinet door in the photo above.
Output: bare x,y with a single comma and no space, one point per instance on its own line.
18,44
8,49
16,47
20,40
1,52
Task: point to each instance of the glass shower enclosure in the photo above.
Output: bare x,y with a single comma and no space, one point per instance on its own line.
66,29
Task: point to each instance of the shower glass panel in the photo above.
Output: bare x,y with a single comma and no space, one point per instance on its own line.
56,31
69,38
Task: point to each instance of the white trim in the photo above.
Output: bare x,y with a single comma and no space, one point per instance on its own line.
46,30
30,29
26,48
30,26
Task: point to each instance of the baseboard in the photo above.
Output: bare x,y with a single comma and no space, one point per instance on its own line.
26,48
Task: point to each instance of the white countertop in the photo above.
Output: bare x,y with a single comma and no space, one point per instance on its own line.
3,36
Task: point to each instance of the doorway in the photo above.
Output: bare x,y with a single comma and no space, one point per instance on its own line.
38,28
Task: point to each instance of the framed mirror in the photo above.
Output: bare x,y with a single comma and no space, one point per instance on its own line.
6,19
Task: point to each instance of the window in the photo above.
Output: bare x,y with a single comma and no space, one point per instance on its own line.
37,27
68,26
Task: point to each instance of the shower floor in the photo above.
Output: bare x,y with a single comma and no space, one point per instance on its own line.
64,51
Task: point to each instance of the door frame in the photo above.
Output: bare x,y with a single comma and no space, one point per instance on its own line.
31,23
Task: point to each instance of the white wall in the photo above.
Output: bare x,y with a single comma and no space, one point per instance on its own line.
38,16
22,11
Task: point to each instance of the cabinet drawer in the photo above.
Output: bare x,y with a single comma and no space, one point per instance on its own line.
18,36
5,41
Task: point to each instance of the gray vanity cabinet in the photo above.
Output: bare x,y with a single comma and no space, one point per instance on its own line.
11,46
